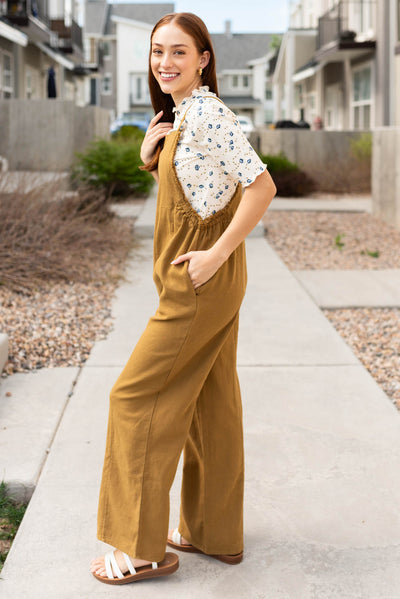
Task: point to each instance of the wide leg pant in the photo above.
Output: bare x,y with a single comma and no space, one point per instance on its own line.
179,390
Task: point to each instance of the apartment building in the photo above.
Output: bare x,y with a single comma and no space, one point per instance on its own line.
242,72
117,40
337,64
41,50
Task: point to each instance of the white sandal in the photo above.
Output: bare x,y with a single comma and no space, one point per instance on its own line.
168,565
176,543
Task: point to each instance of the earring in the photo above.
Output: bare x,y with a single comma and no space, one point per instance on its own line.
200,71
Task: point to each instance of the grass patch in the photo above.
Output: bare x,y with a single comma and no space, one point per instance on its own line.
11,514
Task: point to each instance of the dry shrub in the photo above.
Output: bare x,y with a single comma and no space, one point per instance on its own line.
54,236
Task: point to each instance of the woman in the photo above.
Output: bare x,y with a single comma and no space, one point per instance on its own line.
179,389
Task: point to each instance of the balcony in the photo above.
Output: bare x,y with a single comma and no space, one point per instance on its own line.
20,12
32,17
70,39
347,23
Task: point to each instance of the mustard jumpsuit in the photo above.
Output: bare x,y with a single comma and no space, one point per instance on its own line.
179,391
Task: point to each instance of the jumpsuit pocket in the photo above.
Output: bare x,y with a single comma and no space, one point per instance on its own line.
199,290
196,290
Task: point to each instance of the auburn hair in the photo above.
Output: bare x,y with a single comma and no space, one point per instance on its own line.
196,28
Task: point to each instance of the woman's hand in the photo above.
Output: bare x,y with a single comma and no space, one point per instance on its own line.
202,265
154,133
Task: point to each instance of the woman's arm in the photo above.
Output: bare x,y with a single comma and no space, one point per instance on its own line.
255,201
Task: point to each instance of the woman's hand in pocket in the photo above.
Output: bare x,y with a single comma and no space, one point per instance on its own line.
202,265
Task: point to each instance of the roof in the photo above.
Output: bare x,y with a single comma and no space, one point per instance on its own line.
234,51
240,100
95,16
145,13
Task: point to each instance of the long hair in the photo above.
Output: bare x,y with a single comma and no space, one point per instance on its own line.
195,27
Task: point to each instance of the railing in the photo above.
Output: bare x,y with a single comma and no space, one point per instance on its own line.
345,21
19,11
68,37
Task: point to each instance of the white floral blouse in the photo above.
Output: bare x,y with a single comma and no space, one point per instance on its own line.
213,154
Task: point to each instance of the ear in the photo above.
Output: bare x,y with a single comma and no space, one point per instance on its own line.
204,59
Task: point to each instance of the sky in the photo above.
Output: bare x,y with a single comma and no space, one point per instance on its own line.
262,16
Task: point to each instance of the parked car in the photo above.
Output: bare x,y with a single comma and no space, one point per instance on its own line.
291,125
131,119
246,124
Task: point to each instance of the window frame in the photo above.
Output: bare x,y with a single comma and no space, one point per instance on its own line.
107,91
4,88
360,104
144,97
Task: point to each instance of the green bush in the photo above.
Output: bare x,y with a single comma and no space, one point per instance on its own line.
289,179
279,163
113,165
129,133
361,148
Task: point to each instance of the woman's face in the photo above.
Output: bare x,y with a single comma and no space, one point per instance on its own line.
175,61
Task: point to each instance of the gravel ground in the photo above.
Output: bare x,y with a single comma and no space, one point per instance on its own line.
308,243
57,326
374,336
306,240
59,323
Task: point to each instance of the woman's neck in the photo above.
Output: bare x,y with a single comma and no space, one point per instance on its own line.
179,97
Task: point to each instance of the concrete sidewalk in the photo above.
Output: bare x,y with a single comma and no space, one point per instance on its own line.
352,288
322,517
329,204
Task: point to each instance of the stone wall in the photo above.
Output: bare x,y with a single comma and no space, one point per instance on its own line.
386,175
43,135
309,149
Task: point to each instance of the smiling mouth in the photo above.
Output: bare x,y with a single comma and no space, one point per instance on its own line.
168,76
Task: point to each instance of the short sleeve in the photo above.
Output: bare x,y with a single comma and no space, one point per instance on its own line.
218,131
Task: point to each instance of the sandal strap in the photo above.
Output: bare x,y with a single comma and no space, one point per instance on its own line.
107,563
176,537
129,563
112,566
154,565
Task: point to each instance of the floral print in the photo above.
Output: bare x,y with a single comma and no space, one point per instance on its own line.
213,155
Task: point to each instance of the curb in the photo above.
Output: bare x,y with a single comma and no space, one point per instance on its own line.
3,350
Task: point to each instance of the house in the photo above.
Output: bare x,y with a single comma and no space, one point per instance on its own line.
242,65
336,65
40,40
119,35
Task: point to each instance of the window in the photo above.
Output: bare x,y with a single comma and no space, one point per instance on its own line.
91,50
106,49
362,98
240,81
138,88
361,18
268,93
28,84
7,82
107,84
